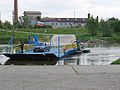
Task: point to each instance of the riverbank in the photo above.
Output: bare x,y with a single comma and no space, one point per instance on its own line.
117,62
18,36
79,32
59,77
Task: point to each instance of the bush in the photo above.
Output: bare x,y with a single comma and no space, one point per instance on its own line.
105,28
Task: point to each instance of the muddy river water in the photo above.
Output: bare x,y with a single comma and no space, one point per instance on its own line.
99,55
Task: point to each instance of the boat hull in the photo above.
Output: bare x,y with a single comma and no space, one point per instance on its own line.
31,56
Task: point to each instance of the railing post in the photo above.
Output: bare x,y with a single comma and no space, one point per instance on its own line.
50,40
11,45
58,46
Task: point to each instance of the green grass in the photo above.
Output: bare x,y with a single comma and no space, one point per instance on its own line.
116,62
79,32
56,30
19,36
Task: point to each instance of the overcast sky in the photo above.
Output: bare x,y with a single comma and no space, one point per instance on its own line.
63,8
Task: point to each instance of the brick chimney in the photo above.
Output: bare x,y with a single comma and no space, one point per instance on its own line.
15,10
88,15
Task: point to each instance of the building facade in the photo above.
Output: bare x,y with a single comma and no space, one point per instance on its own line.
65,22
32,16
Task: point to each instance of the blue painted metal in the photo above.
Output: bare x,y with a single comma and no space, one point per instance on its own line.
11,45
83,43
78,42
7,45
50,40
69,52
83,39
33,39
58,46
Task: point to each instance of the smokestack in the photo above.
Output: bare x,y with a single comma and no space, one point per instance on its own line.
15,10
88,15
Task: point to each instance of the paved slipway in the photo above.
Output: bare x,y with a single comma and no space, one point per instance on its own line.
60,77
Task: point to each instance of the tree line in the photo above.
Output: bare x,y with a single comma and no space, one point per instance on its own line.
22,22
105,27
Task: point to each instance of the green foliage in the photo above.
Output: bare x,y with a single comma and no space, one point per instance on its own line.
16,24
1,25
105,28
115,25
92,25
7,25
23,22
116,62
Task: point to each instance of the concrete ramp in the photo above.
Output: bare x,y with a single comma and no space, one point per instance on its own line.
64,39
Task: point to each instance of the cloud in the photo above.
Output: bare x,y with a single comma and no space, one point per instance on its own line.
63,8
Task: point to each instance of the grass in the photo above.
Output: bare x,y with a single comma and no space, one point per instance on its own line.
116,62
19,36
79,32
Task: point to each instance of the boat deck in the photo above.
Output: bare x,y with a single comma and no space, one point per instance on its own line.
52,51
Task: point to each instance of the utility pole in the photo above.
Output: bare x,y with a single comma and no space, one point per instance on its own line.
74,24
0,16
74,19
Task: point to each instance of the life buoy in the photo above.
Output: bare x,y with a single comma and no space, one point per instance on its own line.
64,50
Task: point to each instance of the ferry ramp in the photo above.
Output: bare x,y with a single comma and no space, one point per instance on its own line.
64,39
60,77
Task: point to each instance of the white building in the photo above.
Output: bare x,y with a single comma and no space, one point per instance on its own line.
32,16
65,22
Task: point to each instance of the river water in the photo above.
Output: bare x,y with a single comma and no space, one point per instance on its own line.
99,55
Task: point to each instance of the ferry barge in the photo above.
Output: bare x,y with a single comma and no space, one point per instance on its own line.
55,53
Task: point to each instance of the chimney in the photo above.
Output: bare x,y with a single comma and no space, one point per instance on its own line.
88,15
15,10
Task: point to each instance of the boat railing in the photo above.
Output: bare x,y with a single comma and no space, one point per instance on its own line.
8,47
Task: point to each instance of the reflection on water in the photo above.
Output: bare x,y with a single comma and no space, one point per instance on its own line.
97,56
100,55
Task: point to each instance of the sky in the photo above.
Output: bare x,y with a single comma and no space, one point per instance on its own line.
62,8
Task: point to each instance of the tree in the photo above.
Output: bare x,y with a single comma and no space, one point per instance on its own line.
1,25
15,24
105,28
115,24
7,25
23,22
92,25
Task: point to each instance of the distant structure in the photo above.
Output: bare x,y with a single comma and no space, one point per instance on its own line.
33,16
65,22
15,13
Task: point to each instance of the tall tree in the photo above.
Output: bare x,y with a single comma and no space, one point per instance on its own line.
115,24
23,22
7,25
105,28
92,25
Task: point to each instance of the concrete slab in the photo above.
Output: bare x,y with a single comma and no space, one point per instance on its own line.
59,78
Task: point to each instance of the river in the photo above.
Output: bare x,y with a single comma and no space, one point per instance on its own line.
99,55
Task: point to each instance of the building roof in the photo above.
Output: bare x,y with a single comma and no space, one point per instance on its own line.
65,19
32,12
